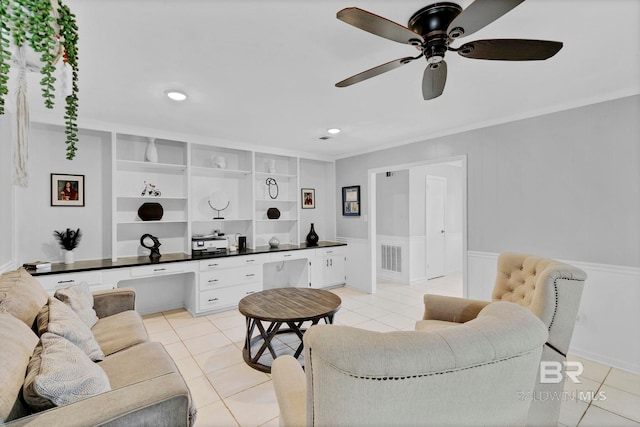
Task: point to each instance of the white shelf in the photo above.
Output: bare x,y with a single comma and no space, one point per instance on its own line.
267,201
136,166
217,172
162,221
221,220
276,220
147,198
274,175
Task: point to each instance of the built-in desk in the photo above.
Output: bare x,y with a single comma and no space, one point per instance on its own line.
205,283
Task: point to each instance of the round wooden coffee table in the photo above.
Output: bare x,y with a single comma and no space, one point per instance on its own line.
290,306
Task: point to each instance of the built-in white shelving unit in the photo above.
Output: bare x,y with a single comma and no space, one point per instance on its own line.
170,178
194,178
276,186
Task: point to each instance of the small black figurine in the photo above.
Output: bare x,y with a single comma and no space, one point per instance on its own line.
155,251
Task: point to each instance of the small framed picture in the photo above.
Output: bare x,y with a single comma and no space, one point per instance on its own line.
67,190
351,200
308,198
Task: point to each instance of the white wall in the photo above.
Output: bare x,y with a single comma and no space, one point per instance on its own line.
6,189
566,185
36,219
563,185
392,202
320,176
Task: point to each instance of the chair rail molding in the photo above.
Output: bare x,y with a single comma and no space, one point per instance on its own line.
609,299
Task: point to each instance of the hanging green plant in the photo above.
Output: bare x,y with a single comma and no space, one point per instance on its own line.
69,39
50,29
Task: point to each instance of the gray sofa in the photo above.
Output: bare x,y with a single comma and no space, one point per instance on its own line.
146,386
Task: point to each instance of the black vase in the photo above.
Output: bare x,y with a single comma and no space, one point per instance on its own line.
312,237
150,212
273,213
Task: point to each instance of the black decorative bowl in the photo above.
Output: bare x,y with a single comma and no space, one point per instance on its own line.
273,213
150,212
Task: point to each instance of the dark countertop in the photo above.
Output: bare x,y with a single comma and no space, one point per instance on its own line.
102,264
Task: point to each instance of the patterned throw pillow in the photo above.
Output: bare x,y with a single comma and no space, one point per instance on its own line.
63,321
21,295
59,373
80,299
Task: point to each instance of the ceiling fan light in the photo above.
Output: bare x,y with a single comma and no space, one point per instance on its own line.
176,95
333,131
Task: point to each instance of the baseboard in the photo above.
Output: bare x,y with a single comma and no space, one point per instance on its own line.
615,362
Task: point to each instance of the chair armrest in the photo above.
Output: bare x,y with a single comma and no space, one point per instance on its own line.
451,309
113,301
290,384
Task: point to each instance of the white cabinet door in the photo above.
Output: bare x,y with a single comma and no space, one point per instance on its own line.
333,270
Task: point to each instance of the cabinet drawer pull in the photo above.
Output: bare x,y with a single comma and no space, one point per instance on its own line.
212,265
159,269
329,252
212,299
250,275
66,281
287,255
250,292
213,280
250,260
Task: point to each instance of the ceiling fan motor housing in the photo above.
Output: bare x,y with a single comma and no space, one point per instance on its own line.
431,23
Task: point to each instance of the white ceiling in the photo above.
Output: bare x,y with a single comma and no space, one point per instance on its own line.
263,72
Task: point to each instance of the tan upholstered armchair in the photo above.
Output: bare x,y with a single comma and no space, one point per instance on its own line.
550,289
471,374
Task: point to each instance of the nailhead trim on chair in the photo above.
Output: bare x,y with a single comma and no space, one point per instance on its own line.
553,318
426,375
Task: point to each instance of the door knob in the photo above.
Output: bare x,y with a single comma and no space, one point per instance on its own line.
442,231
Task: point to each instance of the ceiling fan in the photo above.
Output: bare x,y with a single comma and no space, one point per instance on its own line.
432,29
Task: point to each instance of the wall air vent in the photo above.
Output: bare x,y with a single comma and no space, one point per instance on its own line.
391,258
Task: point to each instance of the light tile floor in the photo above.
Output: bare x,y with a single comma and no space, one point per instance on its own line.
208,352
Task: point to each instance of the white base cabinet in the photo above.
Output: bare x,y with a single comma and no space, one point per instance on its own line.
223,282
214,284
328,268
51,283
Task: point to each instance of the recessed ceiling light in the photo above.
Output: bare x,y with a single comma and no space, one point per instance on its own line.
176,95
333,131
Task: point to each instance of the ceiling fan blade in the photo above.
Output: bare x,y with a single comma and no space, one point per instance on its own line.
433,80
378,25
372,72
478,15
510,49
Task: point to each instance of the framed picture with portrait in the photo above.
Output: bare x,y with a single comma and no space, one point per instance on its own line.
308,198
67,190
351,201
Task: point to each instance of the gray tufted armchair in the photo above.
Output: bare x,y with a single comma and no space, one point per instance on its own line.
551,290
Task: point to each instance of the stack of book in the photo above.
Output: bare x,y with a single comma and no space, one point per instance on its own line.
37,265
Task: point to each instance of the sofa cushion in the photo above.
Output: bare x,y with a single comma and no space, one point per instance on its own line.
17,342
60,373
119,331
22,295
136,364
65,322
80,299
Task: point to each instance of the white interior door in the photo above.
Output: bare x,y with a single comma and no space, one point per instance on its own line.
435,214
